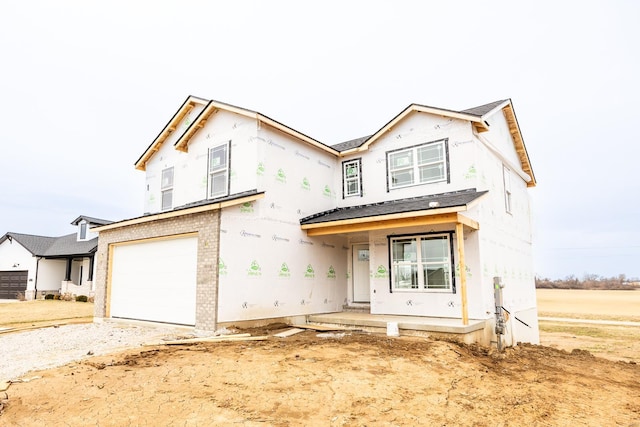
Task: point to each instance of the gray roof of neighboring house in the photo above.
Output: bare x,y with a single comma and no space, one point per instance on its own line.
445,200
478,111
53,246
91,220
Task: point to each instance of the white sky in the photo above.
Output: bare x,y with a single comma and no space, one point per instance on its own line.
85,86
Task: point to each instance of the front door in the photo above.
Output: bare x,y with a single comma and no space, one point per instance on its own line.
360,259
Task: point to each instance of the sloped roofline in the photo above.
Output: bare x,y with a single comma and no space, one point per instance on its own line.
479,121
91,220
169,128
210,107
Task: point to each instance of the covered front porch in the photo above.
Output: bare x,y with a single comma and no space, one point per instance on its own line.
388,271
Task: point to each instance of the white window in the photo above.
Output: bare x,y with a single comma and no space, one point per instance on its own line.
421,164
83,231
506,177
219,171
421,263
351,182
166,187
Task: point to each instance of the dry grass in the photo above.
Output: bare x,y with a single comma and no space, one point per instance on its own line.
589,304
42,313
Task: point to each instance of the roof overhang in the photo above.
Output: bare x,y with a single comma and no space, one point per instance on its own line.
180,212
479,123
169,128
521,150
429,217
212,107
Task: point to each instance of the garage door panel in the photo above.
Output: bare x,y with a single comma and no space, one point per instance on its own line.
155,281
12,282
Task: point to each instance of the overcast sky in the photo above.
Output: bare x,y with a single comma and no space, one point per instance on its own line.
85,86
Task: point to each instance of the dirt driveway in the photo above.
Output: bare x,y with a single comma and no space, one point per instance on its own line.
353,380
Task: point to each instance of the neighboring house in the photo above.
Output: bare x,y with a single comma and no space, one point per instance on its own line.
247,219
33,266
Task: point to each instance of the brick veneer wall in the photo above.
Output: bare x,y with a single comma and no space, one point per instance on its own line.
206,224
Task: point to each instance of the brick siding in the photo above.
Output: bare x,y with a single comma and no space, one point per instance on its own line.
206,224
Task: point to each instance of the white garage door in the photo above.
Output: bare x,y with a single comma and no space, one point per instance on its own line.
155,281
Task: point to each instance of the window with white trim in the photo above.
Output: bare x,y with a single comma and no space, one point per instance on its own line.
421,263
83,231
421,164
166,187
506,178
351,180
219,171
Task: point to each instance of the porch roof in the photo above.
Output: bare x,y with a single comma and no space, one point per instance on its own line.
425,210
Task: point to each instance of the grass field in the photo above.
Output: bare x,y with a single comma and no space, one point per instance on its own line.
43,313
613,342
589,304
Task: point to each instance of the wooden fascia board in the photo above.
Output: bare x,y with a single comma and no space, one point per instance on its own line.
381,224
292,132
170,127
521,150
181,212
182,144
478,122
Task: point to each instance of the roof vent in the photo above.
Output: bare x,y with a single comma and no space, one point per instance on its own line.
434,204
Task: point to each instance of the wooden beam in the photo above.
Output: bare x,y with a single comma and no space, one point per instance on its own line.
473,224
448,218
463,273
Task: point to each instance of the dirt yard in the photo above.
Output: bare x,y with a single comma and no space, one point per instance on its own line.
353,380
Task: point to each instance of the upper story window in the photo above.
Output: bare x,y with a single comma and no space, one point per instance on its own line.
421,263
420,164
351,178
506,178
166,187
219,170
83,231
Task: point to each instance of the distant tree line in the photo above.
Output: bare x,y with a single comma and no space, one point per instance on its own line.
589,281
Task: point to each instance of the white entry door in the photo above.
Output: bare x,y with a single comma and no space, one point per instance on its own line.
360,259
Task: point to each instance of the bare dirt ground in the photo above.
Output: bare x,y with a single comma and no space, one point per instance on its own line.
355,380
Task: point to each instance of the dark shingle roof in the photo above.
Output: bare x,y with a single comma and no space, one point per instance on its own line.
69,245
53,246
37,245
347,145
91,220
445,200
481,110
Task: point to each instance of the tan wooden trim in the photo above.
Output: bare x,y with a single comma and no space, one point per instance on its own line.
463,273
156,239
107,308
523,156
446,218
166,132
266,120
389,217
181,212
473,224
182,144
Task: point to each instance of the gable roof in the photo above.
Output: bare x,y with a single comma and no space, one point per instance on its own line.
210,107
169,128
476,115
51,247
90,220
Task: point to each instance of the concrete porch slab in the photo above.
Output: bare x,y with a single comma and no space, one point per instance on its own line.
414,323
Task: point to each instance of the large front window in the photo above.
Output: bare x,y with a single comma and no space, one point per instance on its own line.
219,171
421,164
421,263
